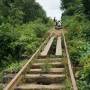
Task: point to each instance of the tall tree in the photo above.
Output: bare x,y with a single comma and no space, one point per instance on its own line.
86,4
21,11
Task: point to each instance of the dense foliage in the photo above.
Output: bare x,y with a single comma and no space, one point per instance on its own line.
20,11
76,20
23,23
86,4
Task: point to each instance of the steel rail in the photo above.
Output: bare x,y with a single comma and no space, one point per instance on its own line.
21,73
74,85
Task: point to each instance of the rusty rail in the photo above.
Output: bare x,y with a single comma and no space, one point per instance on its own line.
74,85
22,72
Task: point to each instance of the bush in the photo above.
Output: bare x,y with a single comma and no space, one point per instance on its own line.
76,19
79,47
20,40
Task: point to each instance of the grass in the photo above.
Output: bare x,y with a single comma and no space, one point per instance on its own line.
46,67
1,87
68,85
12,68
15,66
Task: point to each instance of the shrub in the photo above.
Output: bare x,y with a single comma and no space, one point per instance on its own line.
20,40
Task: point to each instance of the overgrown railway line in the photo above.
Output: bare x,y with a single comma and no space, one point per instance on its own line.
45,70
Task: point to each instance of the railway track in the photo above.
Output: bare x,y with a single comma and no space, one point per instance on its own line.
48,69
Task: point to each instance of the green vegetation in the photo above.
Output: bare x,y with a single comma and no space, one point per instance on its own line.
18,12
23,23
68,85
14,67
46,67
76,20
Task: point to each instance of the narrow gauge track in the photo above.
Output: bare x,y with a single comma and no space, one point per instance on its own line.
49,68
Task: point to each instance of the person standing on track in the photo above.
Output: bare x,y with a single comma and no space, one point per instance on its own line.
55,21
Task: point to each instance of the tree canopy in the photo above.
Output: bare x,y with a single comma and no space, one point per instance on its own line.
20,11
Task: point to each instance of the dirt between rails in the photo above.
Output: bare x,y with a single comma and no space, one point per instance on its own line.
55,32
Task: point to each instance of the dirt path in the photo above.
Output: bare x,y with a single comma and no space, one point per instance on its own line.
55,32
